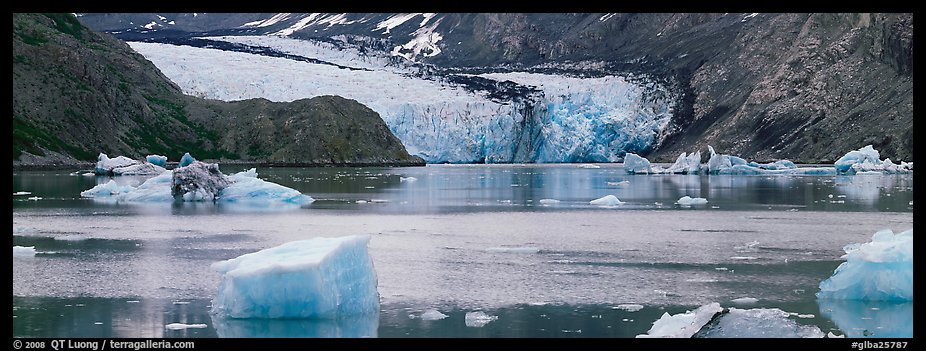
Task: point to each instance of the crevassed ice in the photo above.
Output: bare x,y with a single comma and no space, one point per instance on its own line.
570,120
879,270
315,278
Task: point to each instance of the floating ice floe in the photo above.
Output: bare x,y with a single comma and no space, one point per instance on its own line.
607,200
125,166
879,270
432,315
629,307
18,193
684,164
548,201
199,181
712,321
745,300
689,201
314,278
682,325
23,251
181,326
866,160
478,319
589,165
620,183
408,179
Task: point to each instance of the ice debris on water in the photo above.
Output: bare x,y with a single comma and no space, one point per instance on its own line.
757,323
548,201
181,326
23,251
186,160
122,165
607,200
867,159
682,325
879,270
590,166
629,307
745,300
314,278
109,188
407,179
478,319
432,315
689,201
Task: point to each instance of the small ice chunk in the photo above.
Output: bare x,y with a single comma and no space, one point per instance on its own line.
157,160
879,270
105,165
688,201
110,188
682,325
23,251
520,250
139,169
629,307
686,164
186,160
620,183
745,300
809,315
548,201
314,278
432,315
181,326
34,198
408,179
589,165
607,200
831,335
28,193
478,319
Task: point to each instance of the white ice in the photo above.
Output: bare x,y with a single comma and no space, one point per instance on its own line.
758,323
879,270
181,326
139,169
106,165
682,325
478,319
548,202
23,251
689,201
314,278
629,307
607,200
745,300
432,315
407,179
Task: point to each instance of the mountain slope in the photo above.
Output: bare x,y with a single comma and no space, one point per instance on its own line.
77,93
803,86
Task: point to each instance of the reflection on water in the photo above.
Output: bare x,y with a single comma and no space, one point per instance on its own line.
353,327
870,319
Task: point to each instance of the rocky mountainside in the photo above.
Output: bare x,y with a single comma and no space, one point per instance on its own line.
807,87
77,93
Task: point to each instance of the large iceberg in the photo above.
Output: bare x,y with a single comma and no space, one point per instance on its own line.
867,159
879,270
323,278
201,181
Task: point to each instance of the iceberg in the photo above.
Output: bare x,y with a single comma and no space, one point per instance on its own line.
688,201
745,300
181,326
682,325
757,323
686,164
157,160
548,202
186,160
879,270
198,181
629,307
432,315
607,200
635,164
23,251
107,189
867,159
407,179
719,162
478,319
324,278
106,165
139,169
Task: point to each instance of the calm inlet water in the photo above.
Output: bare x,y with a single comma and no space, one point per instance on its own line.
459,239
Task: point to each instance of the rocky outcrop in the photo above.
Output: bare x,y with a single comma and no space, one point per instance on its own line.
76,92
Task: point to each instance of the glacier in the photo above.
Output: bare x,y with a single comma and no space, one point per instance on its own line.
321,278
879,270
454,118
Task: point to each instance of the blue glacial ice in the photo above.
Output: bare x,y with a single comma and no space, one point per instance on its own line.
365,326
246,188
157,160
186,160
110,188
867,159
321,278
874,319
879,270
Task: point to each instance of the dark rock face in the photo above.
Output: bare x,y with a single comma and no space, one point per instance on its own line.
77,92
808,87
200,178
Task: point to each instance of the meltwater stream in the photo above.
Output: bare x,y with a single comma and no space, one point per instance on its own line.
459,240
